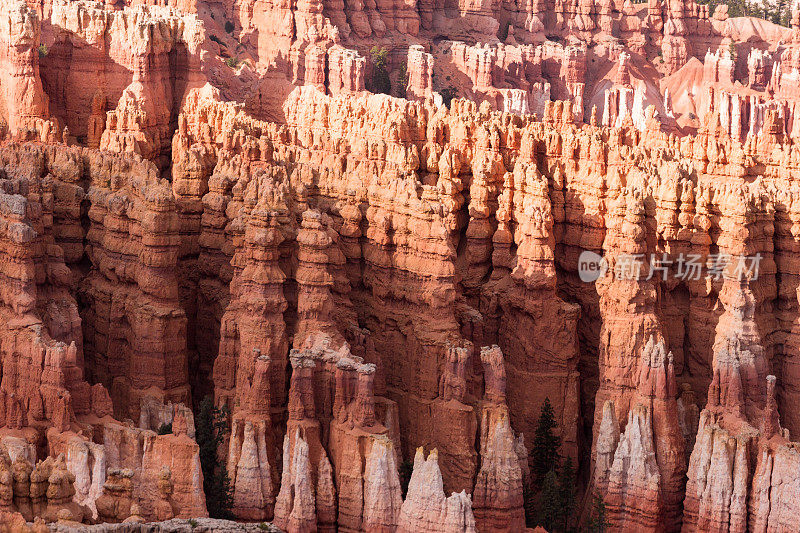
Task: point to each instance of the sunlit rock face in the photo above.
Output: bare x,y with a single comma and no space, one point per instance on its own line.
214,199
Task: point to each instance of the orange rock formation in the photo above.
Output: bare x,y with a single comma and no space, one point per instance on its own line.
203,198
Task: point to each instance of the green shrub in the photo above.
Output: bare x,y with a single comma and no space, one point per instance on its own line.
165,429
43,50
232,62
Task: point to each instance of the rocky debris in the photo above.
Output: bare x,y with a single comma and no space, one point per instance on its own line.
196,525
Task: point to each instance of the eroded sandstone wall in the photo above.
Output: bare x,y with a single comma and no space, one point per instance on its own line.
678,198
364,279
48,346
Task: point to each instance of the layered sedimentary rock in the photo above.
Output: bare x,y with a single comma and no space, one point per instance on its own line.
345,418
356,276
741,416
141,61
455,382
426,507
323,296
23,101
326,421
497,499
44,383
144,298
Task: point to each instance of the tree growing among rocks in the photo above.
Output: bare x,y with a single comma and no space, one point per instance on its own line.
380,70
599,519
550,501
211,425
544,452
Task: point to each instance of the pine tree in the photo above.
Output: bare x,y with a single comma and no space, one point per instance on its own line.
206,438
405,471
545,444
599,521
566,489
380,70
219,499
548,509
211,424
529,504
